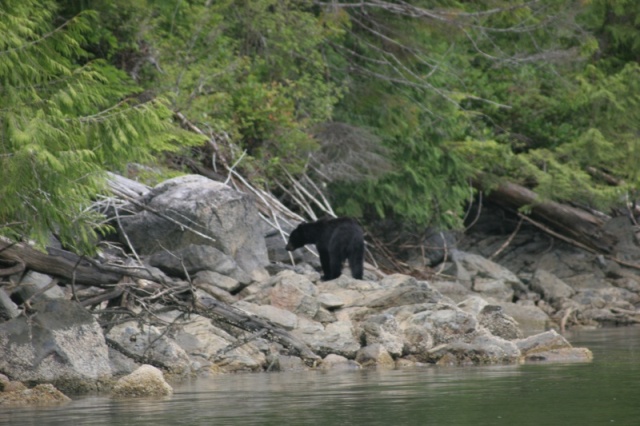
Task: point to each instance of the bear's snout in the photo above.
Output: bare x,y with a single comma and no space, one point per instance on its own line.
289,247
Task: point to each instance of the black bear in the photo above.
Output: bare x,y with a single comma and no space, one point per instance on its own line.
336,240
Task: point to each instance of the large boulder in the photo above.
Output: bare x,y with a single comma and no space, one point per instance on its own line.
202,212
148,343
60,343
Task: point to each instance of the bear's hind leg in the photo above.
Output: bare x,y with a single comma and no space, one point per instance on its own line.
356,262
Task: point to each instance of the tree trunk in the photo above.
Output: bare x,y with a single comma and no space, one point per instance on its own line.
566,220
58,263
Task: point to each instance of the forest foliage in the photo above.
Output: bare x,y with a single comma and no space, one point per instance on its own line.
408,101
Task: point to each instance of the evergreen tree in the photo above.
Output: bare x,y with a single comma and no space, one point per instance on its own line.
65,118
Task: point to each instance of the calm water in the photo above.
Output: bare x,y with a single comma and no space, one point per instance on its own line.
604,392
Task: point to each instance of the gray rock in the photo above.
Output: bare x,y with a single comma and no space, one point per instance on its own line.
121,364
146,381
561,355
212,347
468,266
325,316
383,329
40,395
444,322
473,304
215,215
330,301
407,294
215,292
590,298
281,317
8,309
496,289
223,282
478,349
619,297
280,362
494,319
530,318
198,258
296,294
418,342
374,355
33,283
352,292
542,342
550,287
397,280
149,344
336,338
338,362
276,243
61,344
452,289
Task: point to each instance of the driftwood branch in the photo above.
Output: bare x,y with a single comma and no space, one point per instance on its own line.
508,241
107,295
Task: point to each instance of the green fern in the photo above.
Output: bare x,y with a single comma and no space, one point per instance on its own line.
64,119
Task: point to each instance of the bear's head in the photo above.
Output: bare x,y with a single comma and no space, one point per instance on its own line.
298,237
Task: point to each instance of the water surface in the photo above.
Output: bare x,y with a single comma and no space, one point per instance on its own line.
605,391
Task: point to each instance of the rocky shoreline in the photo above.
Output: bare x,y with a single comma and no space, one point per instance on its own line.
222,298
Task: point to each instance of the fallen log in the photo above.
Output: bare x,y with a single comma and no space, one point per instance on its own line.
57,262
580,225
